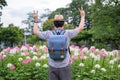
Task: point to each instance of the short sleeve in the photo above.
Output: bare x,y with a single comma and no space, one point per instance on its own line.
44,34
72,33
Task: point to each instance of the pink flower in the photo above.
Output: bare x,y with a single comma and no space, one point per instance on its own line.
39,53
45,48
17,48
28,46
1,57
12,67
35,49
101,53
82,57
72,46
118,57
82,47
119,51
26,61
26,53
92,48
75,57
71,61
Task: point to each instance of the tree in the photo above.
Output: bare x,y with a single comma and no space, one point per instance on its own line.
106,21
11,35
29,21
3,3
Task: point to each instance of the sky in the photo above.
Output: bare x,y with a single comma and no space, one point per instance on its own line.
17,10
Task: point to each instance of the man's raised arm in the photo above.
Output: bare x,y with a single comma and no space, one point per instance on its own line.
82,22
35,28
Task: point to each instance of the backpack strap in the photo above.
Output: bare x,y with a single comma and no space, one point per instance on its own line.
58,33
62,32
54,32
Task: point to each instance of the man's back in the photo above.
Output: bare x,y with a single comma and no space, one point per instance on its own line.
69,34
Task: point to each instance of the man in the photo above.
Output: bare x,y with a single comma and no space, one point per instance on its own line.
59,70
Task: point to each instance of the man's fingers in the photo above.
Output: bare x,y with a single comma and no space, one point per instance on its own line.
81,8
35,12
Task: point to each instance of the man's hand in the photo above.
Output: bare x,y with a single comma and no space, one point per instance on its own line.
82,12
35,15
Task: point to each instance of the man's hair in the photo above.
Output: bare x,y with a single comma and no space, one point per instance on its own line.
58,23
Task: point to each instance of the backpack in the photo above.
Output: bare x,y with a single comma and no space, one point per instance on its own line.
57,45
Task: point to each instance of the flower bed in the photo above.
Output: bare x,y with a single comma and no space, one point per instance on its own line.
30,63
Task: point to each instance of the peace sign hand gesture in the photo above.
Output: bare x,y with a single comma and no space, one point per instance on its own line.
82,12
35,15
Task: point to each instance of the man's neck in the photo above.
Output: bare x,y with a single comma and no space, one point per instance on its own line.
59,28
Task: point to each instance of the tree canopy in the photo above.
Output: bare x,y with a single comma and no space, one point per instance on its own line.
3,3
11,35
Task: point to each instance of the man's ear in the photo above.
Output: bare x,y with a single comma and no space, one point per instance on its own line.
63,26
54,27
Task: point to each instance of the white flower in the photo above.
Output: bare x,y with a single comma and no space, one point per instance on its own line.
31,48
76,51
85,57
22,54
2,52
119,66
97,50
115,51
111,53
47,55
85,49
92,71
13,51
92,55
111,62
103,50
43,57
97,66
4,56
97,58
20,59
9,64
37,64
103,69
114,59
34,53
45,66
24,48
31,51
28,57
92,47
81,64
35,58
71,49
